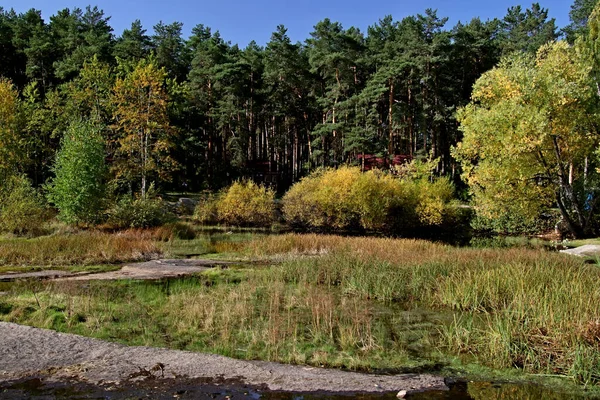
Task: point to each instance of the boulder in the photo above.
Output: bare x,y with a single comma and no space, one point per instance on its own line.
186,205
589,250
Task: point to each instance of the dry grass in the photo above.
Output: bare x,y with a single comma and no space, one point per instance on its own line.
84,248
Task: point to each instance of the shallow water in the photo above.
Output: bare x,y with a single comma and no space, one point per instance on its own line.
38,388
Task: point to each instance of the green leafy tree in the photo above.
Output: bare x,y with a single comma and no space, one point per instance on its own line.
11,157
77,189
89,94
529,139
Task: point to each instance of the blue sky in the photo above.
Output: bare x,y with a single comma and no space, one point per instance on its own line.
242,21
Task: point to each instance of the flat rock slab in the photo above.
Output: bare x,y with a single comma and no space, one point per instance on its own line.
47,274
26,351
589,250
156,269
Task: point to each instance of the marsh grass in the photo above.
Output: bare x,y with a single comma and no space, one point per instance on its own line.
526,308
254,317
215,245
353,303
85,248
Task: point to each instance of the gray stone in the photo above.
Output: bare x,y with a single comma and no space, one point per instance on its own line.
589,250
186,205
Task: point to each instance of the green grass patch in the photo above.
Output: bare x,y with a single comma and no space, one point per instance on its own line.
216,245
582,242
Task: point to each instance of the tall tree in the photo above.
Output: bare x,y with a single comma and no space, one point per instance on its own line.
10,140
170,50
8,53
80,36
529,139
32,41
133,45
143,133
527,30
334,54
285,138
579,14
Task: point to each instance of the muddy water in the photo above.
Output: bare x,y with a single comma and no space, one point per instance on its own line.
38,388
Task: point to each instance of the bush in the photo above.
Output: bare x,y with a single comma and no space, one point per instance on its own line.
141,212
246,204
515,224
433,200
22,208
206,210
346,198
174,230
383,201
301,208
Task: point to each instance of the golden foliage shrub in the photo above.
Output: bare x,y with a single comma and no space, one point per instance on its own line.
433,201
323,200
346,198
246,204
22,209
206,210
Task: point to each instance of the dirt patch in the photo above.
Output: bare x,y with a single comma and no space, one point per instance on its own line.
26,351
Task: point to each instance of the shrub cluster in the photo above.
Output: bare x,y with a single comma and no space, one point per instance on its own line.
141,212
22,208
346,198
244,203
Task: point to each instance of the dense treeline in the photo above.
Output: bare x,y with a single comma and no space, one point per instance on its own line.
222,112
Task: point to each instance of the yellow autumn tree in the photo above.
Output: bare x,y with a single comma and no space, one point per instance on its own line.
9,129
143,133
529,138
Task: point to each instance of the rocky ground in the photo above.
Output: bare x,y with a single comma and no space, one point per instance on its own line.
27,352
155,269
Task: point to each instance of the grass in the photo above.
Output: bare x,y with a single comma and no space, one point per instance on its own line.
582,242
216,245
359,303
85,248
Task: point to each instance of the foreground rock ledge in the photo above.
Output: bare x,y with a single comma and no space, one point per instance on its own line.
28,351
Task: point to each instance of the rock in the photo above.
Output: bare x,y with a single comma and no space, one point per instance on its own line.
401,394
589,250
186,205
